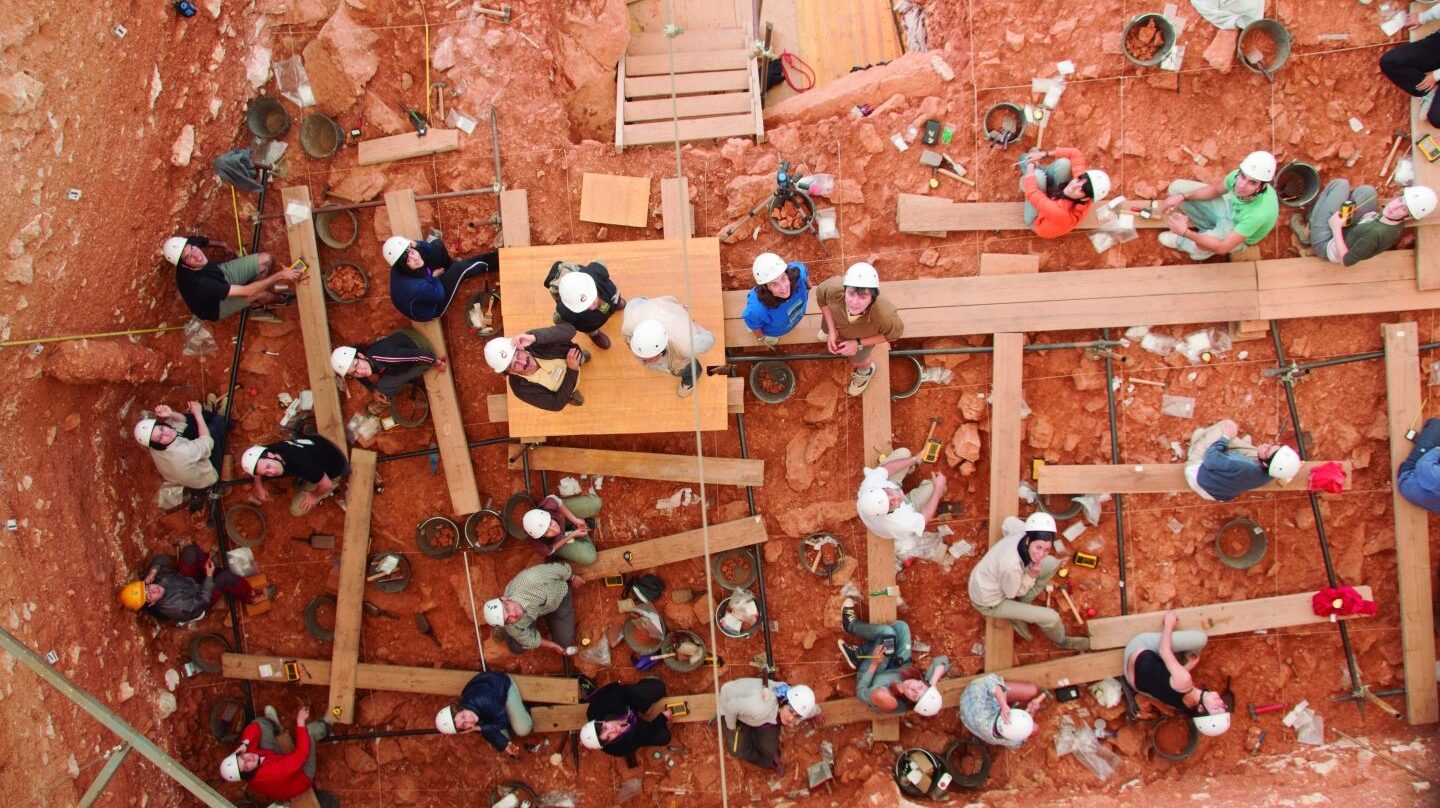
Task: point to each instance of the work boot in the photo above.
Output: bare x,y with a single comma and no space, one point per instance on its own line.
577,399
850,653
859,380
1075,644
271,714
847,613
1022,629
601,340
1300,228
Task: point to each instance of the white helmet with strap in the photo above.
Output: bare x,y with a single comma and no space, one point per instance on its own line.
230,768
1284,464
649,339
1099,184
1039,522
143,430
1419,200
1018,728
862,276
174,249
250,458
499,352
767,267
341,359
395,249
536,521
802,700
930,702
873,501
577,291
495,612
1258,166
1212,725
590,735
445,721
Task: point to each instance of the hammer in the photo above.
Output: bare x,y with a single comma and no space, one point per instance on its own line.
439,88
1400,137
503,13
1065,593
1256,712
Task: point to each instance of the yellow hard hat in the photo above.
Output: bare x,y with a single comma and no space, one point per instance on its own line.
132,595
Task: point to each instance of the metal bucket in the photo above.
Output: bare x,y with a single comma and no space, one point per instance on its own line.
1277,32
720,612
267,118
992,123
778,372
1297,184
324,218
675,663
1259,543
320,136
1167,39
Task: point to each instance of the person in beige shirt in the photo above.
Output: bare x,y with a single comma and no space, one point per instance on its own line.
183,448
663,336
856,320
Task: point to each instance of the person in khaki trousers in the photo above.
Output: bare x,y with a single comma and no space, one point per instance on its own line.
1013,573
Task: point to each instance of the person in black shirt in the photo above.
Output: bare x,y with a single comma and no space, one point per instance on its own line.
1153,669
388,365
214,291
618,725
585,297
317,463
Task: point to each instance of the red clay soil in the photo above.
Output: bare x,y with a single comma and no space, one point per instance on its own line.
82,492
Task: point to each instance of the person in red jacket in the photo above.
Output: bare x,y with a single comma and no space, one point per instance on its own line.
267,771
1058,196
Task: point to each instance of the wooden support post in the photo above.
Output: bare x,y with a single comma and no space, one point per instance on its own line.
1217,619
515,218
644,555
646,465
97,786
1005,403
394,678
351,598
314,326
1412,548
676,212
879,553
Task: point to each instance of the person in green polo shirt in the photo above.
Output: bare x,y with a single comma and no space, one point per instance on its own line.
1208,219
1368,230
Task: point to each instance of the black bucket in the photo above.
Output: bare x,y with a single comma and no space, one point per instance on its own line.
1297,184
320,136
266,118
994,120
1167,39
1277,32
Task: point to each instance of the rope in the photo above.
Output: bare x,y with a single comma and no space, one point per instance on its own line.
474,618
428,94
790,61
14,343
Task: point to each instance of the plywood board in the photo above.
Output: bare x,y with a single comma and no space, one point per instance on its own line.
410,144
879,553
439,387
918,213
1008,264
612,199
1005,405
397,678
314,325
647,465
676,213
351,598
1412,549
621,395
719,81
1235,617
644,555
688,40
688,106
515,218
497,406
1149,478
838,35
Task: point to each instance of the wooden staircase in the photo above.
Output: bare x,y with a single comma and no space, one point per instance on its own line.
714,92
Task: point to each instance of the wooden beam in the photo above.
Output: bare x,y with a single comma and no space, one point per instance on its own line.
314,326
1412,548
676,212
1235,617
719,126
720,81
690,106
1005,403
878,436
689,40
614,199
410,144
678,547
646,465
497,405
1427,238
662,64
97,786
515,218
918,213
395,678
439,387
1149,478
351,598
1008,264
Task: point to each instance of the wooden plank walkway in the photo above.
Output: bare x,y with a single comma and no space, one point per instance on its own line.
644,555
1005,403
359,493
645,465
314,325
879,553
396,678
1216,619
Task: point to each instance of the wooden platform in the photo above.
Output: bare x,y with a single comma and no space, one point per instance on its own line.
351,598
645,465
1235,617
497,405
644,555
314,325
699,85
1149,478
1005,403
403,147
397,678
621,395
935,215
879,553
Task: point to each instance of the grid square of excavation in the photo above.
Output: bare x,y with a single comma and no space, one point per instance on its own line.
1129,121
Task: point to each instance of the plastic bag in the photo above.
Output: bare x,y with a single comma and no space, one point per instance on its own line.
598,653
1087,749
929,546
1158,344
849,590
820,184
293,83
1106,692
1178,406
169,496
198,341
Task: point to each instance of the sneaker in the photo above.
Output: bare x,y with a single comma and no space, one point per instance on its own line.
1022,629
847,613
601,340
262,314
1075,643
271,714
850,654
620,305
577,399
859,380
685,390
1168,239
821,336
1300,228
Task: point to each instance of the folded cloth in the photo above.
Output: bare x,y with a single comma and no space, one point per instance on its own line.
1328,477
237,168
1341,601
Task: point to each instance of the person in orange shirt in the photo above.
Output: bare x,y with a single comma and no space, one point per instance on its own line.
1058,196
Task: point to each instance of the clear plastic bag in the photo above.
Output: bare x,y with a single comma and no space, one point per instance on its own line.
929,546
598,653
293,83
198,341
1087,749
169,496
820,184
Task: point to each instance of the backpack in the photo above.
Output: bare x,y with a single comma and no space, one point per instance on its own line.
559,270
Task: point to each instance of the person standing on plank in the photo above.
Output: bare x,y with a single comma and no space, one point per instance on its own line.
1418,477
543,590
424,278
315,461
267,771
985,710
490,704
777,301
184,447
1415,66
618,725
213,291
752,711
182,592
388,365
886,509
585,297
856,320
664,338
1206,220
1221,466
1016,569
546,524
886,680
542,366
1058,196
1370,229
1153,669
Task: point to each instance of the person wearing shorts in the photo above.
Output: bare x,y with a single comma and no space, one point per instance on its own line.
213,291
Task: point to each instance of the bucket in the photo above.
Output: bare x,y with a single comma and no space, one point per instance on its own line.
800,206
1248,530
772,374
735,569
325,219
1141,28
722,610
320,136
266,118
995,123
1263,36
434,546
677,663
920,773
1297,184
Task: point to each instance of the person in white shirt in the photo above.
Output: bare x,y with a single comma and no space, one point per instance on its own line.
664,338
1013,573
192,462
752,711
886,509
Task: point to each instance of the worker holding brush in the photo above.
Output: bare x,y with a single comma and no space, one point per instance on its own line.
557,527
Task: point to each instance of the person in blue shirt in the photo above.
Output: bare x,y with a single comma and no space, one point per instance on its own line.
1419,476
490,705
1221,465
777,302
887,681
424,278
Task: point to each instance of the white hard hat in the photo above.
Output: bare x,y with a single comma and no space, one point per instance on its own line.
802,700
862,275
143,430
1099,184
1284,464
1018,728
1259,166
394,248
341,359
536,522
250,458
1212,725
873,501
495,612
1419,200
930,702
590,735
174,248
577,291
230,768
445,721
1039,522
767,267
498,353
650,339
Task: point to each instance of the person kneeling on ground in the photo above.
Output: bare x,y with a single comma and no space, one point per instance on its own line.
423,277
1058,196
618,725
886,509
1418,477
985,710
664,338
752,712
777,301
183,592
388,365
490,704
1153,669
585,297
1221,466
542,366
213,291
316,463
543,590
885,679
545,525
1369,230
855,320
184,447
267,771
1229,216
1013,573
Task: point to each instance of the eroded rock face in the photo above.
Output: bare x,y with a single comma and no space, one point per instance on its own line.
89,361
915,74
340,61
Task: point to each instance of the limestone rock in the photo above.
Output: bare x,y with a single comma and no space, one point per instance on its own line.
821,402
382,115
444,56
339,61
90,361
972,405
798,474
816,516
184,147
870,140
687,595
929,258
591,41
1220,53
21,270
360,185
356,760
847,192
19,93
916,74
164,704
821,441
735,150
963,445
1040,433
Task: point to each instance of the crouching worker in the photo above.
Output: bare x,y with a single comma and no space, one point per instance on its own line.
424,278
664,338
557,527
1013,573
213,291
1419,475
987,709
183,592
1153,669
585,297
1221,466
542,366
184,447
539,591
490,705
1058,196
267,771
886,681
388,365
1366,229
317,464
752,712
618,725
886,509
1217,219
